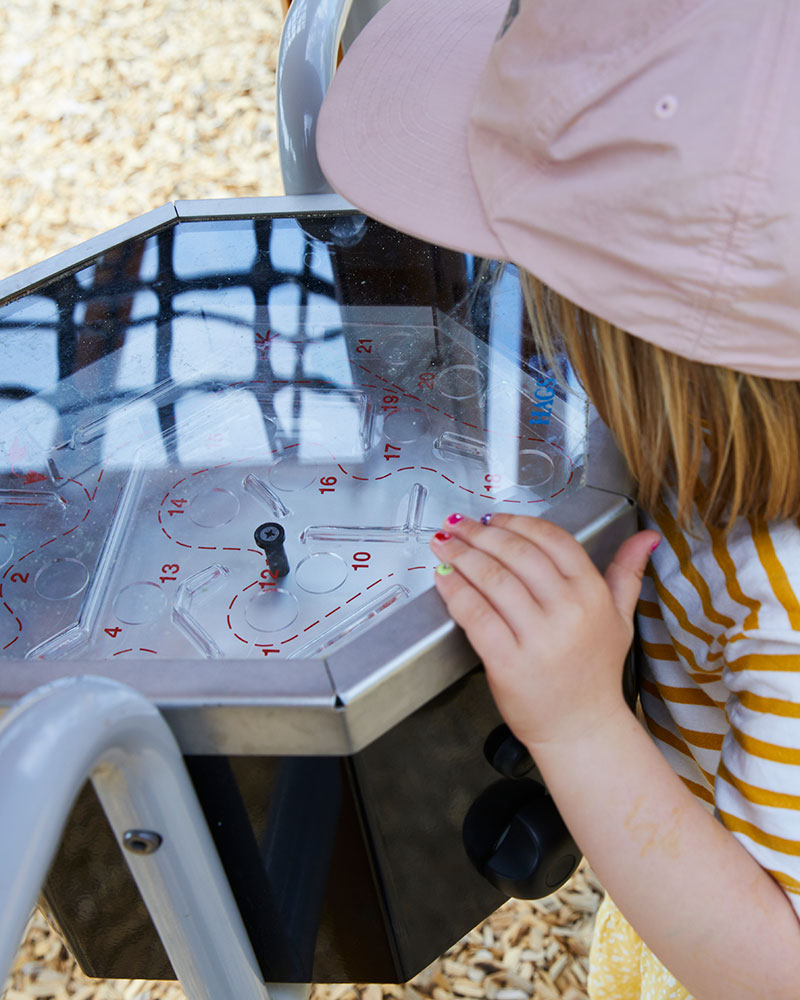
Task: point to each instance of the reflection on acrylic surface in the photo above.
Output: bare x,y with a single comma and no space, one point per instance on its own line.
163,402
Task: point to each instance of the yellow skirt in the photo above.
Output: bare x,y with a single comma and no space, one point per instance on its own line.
622,967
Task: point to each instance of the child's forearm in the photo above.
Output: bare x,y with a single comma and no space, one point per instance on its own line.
715,918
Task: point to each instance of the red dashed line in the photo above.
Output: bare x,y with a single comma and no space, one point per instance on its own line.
404,468
342,468
427,468
158,515
288,446
258,552
119,652
19,623
229,622
385,476
364,479
101,475
434,407
473,426
164,500
223,465
85,516
234,600
447,478
48,542
184,545
11,643
284,641
179,482
212,548
143,650
400,389
249,585
557,494
333,612
311,625
231,548
464,488
199,472
512,501
93,494
416,567
26,555
169,536
540,500
8,570
411,396
245,641
69,532
8,609
374,584
353,597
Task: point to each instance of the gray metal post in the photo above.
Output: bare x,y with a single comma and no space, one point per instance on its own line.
306,64
89,726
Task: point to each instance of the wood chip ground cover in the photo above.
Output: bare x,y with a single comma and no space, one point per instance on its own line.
109,108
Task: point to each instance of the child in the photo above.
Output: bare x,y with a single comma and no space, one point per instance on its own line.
639,157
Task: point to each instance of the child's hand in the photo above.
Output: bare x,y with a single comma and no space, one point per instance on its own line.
551,631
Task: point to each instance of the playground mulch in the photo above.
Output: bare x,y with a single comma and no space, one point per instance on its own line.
109,108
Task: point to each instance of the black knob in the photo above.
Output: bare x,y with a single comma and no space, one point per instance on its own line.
508,755
270,537
515,837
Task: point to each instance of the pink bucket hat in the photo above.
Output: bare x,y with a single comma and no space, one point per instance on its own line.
641,157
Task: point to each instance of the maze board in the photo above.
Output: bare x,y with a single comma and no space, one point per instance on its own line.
126,538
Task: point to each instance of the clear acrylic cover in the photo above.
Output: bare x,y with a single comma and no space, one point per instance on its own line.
162,404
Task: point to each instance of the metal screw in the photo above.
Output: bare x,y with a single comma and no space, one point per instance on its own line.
141,841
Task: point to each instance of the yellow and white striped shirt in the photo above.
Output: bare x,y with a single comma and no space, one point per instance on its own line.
719,624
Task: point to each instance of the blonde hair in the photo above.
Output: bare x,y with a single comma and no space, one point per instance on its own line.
664,410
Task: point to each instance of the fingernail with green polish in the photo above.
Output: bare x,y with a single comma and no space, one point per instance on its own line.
444,569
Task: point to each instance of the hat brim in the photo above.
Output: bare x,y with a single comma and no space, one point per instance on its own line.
392,133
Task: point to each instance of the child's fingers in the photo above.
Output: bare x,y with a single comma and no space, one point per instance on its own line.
523,558
499,584
488,632
568,555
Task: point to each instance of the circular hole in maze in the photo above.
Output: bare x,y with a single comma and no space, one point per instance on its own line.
60,579
290,475
540,467
405,425
213,508
321,573
139,603
271,609
460,382
6,549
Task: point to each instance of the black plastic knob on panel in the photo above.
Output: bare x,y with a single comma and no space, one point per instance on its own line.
515,837
508,755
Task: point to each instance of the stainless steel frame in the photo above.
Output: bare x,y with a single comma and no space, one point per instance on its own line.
89,726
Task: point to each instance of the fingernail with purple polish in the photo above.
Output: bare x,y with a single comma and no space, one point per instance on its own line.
486,518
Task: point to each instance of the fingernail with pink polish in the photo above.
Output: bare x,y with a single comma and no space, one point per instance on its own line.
455,518
655,545
442,536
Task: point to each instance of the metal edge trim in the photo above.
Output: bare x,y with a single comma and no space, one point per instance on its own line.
30,278
247,208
